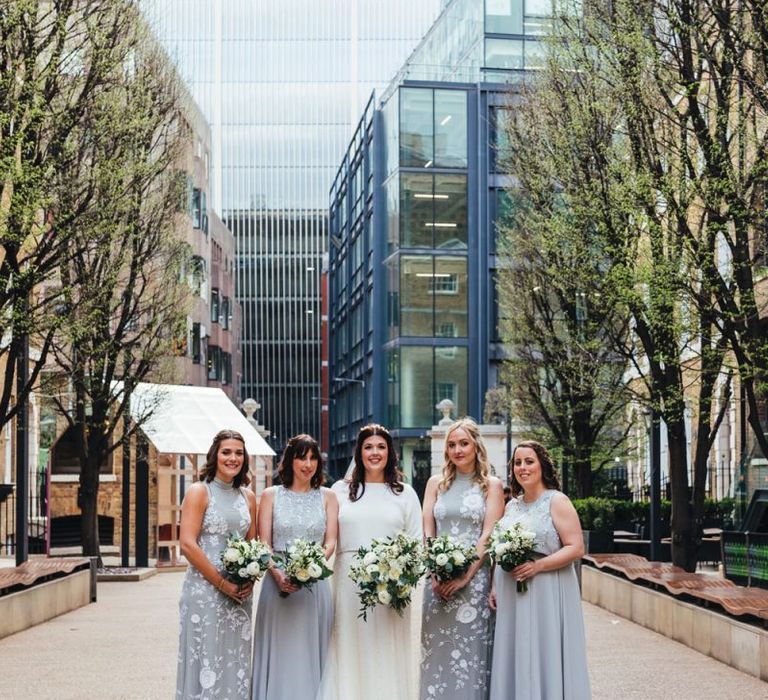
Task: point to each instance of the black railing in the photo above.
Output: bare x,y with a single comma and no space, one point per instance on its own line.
37,517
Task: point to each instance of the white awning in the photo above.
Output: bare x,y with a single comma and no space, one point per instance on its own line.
184,419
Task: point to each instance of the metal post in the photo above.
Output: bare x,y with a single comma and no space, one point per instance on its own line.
655,470
125,538
22,451
142,504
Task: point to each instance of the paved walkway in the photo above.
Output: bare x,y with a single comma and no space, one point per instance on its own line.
124,646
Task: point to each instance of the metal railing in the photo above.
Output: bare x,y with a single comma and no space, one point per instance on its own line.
37,517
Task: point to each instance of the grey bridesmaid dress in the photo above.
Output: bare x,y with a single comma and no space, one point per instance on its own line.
291,634
539,650
215,631
457,635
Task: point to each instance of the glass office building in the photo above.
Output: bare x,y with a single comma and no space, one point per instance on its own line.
413,211
282,83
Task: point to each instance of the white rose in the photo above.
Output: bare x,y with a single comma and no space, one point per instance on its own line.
302,575
243,573
372,569
458,558
499,549
253,569
384,597
369,558
441,559
395,573
314,570
231,554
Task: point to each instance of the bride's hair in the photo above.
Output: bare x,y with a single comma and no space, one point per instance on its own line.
392,475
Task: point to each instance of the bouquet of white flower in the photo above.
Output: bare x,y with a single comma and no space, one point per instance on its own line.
387,571
447,559
245,560
304,564
511,547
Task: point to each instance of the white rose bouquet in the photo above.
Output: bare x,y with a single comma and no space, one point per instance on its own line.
508,548
245,560
304,563
447,559
386,572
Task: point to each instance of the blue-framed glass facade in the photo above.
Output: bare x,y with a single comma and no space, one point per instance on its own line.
435,142
283,83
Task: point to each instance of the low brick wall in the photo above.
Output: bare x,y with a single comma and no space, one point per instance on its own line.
726,639
36,604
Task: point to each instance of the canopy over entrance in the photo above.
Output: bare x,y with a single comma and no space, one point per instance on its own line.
184,419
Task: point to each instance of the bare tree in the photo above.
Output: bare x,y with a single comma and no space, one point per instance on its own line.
125,324
57,58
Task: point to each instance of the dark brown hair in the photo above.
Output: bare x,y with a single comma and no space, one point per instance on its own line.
392,475
211,459
297,447
548,473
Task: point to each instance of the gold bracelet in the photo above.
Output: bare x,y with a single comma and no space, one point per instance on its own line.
221,583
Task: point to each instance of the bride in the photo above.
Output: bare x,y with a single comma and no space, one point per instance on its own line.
377,659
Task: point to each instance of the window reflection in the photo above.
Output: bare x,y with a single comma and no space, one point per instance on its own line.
450,128
416,128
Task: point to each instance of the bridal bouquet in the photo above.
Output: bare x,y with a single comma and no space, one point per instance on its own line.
386,572
245,560
304,563
508,548
447,559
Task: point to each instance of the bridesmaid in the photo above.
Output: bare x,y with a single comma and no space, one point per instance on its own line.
539,650
465,503
215,632
292,632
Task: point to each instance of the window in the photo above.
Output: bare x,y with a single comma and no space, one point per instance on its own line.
444,283
214,306
214,362
197,209
196,275
196,344
226,368
225,318
433,128
447,390
446,330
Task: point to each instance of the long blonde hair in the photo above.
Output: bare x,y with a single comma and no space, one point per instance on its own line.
482,467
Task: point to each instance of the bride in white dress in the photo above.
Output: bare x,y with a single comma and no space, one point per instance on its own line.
377,659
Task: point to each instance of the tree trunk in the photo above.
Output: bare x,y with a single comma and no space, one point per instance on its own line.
583,474
88,500
685,538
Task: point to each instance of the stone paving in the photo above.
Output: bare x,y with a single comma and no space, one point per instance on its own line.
124,647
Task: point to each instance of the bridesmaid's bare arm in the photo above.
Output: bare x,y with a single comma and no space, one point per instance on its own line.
192,512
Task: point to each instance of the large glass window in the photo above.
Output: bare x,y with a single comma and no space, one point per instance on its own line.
416,277
449,290
450,129
416,206
432,295
416,387
419,377
504,16
450,223
433,128
434,211
416,128
451,378
504,53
